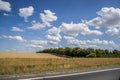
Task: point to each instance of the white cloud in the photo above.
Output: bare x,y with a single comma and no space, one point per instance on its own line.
54,36
107,17
95,43
74,29
16,29
26,12
47,17
35,46
73,41
36,26
5,14
114,32
5,6
69,38
53,39
17,38
39,42
54,31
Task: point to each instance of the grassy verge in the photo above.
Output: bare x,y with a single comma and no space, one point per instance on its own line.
10,66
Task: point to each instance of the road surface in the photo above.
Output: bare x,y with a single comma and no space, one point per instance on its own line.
106,74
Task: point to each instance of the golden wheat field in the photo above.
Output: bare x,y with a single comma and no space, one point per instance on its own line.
25,55
29,65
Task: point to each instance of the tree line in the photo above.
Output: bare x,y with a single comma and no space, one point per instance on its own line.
79,52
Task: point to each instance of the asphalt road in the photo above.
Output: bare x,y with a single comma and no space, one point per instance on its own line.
106,74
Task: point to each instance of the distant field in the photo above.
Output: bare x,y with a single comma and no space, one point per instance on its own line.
25,55
29,63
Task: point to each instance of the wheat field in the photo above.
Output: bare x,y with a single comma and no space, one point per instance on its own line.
13,64
25,55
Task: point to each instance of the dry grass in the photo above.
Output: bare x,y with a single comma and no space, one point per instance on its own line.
27,63
25,55
43,65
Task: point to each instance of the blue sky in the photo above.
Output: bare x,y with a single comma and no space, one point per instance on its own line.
32,25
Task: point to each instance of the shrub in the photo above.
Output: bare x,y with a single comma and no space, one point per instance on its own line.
91,55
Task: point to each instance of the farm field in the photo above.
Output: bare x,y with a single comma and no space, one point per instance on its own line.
33,65
25,55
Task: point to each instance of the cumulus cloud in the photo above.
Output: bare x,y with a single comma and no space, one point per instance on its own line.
35,46
54,31
74,29
36,26
95,43
16,29
5,14
114,32
26,12
47,17
40,44
17,38
54,36
5,6
73,41
107,17
53,39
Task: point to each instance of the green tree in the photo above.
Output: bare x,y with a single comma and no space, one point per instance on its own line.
116,53
68,51
100,53
60,51
91,55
